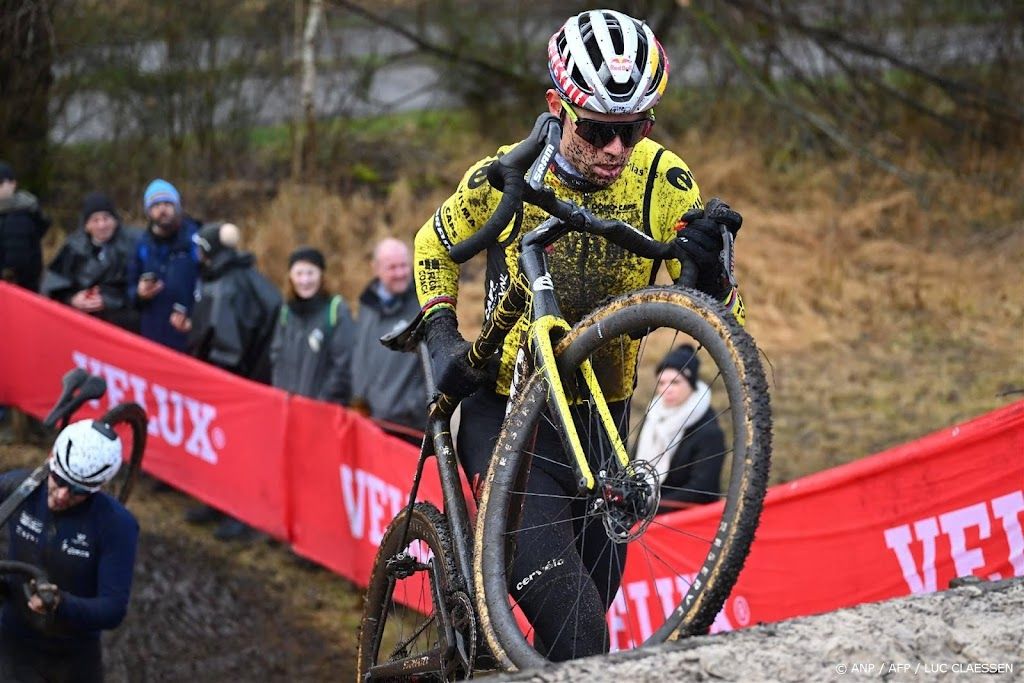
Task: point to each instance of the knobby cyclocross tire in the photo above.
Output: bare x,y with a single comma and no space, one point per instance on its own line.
401,609
696,592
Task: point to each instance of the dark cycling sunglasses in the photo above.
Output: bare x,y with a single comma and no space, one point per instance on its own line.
75,489
600,133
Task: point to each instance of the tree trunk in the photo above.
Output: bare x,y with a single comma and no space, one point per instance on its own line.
26,76
304,147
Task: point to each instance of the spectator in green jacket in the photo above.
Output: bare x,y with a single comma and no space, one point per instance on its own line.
311,352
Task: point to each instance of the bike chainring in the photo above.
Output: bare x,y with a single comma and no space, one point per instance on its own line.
463,617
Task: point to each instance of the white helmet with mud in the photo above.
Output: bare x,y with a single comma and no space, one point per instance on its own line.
608,62
87,453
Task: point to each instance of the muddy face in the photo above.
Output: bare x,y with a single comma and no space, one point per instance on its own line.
600,165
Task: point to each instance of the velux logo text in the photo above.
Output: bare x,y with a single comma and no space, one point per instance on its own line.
370,502
978,521
179,420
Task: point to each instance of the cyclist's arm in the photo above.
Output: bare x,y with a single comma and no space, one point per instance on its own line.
113,581
461,215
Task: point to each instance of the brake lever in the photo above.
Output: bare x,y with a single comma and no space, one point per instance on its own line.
539,168
727,256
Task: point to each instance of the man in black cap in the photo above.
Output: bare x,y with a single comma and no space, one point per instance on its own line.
89,272
22,226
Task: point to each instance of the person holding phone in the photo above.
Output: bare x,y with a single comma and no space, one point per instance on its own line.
165,267
90,271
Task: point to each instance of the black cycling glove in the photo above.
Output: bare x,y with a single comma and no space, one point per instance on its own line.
449,356
701,240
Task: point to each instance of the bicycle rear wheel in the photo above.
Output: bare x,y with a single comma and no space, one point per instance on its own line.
404,635
665,575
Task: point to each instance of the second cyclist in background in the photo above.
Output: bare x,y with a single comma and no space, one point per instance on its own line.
608,71
85,541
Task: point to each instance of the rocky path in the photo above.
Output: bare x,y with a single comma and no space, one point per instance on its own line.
960,634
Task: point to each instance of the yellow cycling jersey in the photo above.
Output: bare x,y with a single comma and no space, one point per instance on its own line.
655,189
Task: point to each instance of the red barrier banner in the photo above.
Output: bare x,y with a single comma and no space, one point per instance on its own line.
216,436
348,481
904,521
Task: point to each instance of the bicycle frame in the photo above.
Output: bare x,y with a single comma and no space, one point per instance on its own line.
547,321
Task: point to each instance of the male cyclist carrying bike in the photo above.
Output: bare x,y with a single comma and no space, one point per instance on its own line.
85,541
608,72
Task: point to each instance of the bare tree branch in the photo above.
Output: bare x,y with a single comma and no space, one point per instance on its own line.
433,48
768,91
956,90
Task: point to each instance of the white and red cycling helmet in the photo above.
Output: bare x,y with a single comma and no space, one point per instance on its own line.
608,62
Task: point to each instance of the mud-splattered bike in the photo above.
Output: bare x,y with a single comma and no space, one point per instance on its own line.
438,604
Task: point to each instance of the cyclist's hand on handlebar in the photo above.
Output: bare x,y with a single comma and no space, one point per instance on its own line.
723,214
449,355
45,597
700,238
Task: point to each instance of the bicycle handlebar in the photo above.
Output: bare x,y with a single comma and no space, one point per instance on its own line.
39,585
519,175
577,218
524,166
12,567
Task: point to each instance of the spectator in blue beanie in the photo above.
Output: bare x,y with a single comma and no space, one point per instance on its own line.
162,276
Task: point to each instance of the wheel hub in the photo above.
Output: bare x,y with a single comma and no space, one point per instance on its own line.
627,500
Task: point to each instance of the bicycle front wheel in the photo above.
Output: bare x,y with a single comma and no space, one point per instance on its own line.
650,569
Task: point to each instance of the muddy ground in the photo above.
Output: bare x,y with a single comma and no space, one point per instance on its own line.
195,617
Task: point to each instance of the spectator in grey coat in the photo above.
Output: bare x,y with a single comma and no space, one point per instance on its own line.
311,351
90,271
390,385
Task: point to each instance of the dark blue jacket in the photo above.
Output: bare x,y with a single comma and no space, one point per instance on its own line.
176,262
88,551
